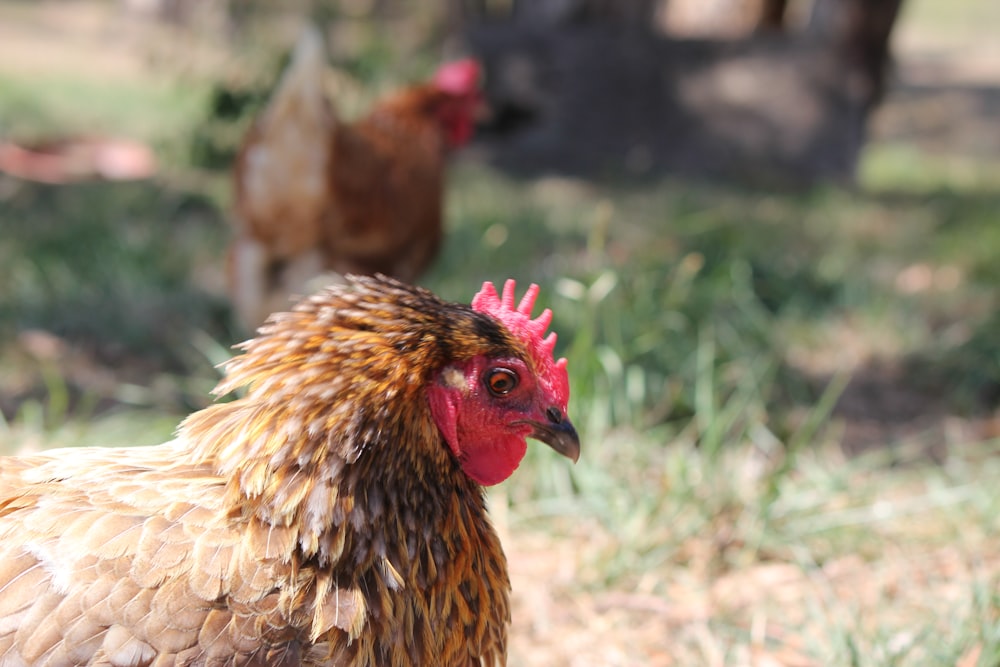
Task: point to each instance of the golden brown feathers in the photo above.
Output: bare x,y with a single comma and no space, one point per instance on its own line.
317,520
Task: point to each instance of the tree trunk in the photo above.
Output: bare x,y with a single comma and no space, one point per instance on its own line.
629,13
772,16
860,31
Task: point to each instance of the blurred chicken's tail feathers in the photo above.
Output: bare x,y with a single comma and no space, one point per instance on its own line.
301,88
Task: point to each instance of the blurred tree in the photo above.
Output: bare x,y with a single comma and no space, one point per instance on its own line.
638,14
859,31
772,15
777,90
599,86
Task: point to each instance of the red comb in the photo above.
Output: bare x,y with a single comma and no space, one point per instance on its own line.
460,77
530,331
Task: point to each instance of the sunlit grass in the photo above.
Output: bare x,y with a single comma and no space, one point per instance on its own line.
713,559
62,106
897,166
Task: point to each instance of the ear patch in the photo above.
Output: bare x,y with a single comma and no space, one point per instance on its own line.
453,378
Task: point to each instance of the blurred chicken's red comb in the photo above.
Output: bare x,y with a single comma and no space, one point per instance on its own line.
460,77
530,331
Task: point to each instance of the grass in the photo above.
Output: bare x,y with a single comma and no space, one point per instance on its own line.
712,332
713,505
63,103
843,563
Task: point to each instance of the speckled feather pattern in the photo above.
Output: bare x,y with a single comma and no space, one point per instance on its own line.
317,520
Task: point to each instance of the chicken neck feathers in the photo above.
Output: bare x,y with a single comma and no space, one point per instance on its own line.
317,520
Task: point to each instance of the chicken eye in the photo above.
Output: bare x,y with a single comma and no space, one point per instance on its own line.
501,381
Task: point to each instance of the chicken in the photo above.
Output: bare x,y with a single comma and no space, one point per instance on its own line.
314,194
332,515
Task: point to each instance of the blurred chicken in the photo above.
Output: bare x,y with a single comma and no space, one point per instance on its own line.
334,515
318,195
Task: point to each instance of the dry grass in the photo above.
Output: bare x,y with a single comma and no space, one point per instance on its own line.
859,565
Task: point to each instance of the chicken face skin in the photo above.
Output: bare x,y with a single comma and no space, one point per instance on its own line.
486,408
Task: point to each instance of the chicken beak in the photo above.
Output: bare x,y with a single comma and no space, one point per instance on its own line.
558,433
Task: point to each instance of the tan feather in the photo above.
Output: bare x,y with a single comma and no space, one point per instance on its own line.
213,638
95,600
35,637
20,580
112,535
270,541
122,649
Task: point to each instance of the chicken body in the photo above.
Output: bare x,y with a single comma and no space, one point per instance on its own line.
315,195
333,515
